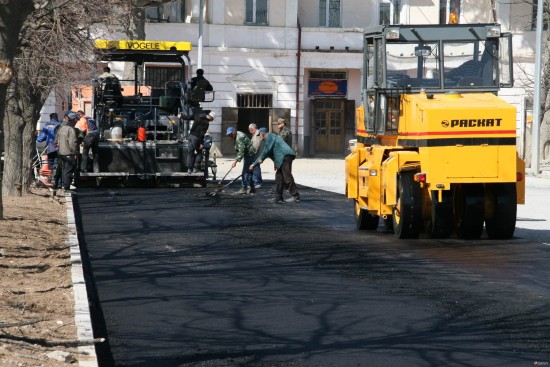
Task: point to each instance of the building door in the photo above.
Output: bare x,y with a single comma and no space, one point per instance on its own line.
328,125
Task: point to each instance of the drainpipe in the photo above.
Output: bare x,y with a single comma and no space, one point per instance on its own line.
201,22
298,66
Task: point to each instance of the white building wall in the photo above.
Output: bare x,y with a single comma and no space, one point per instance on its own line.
233,49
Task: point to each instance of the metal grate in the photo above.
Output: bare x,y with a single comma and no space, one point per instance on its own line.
157,77
254,100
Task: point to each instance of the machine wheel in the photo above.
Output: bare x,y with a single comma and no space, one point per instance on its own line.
364,220
503,222
388,224
407,213
440,224
469,210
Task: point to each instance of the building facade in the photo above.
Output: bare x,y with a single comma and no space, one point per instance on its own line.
301,59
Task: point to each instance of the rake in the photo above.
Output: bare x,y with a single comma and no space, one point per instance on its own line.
215,193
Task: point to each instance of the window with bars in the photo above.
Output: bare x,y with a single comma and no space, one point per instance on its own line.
329,13
256,12
157,77
254,100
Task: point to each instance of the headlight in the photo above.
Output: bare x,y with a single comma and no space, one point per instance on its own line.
493,31
392,33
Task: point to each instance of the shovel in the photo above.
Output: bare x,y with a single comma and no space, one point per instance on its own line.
215,193
219,183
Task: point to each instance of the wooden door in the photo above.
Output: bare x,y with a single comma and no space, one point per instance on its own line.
328,126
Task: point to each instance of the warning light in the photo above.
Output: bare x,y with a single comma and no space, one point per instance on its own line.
420,177
453,18
519,176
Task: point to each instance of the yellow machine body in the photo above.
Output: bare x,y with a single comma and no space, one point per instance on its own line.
434,161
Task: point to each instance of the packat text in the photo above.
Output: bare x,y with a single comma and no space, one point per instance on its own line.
476,123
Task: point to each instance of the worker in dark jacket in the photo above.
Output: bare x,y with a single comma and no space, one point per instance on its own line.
196,141
48,135
91,142
68,148
282,155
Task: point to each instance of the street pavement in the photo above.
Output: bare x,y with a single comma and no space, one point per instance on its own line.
320,173
328,173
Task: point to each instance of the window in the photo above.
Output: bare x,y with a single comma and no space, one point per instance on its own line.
256,12
254,100
390,11
170,12
470,64
448,7
157,77
534,18
329,13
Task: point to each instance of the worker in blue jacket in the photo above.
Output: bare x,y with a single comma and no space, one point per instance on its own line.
48,135
282,155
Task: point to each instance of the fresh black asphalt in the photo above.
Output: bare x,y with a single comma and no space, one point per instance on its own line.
182,279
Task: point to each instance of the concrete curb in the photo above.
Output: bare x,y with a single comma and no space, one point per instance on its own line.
83,320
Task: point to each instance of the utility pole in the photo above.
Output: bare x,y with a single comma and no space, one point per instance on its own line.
201,22
535,125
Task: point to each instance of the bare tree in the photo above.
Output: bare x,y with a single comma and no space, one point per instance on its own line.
12,16
54,51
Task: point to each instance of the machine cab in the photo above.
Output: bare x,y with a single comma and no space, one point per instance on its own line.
431,59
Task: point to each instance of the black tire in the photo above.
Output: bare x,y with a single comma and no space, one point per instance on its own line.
440,224
388,224
469,210
503,222
407,213
363,219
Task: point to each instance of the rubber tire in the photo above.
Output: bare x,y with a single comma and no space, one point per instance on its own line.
503,223
441,222
469,210
364,220
407,213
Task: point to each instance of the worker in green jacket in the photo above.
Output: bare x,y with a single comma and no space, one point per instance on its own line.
282,155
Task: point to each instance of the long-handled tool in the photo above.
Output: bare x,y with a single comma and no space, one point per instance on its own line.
219,183
215,193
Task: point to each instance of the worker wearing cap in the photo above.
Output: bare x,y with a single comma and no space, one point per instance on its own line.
282,155
48,135
196,141
284,131
257,143
67,143
246,153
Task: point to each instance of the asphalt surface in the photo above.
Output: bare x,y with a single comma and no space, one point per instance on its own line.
182,279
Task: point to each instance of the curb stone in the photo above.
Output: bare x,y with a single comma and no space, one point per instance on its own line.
83,320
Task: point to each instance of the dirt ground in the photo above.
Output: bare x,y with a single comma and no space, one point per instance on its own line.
36,297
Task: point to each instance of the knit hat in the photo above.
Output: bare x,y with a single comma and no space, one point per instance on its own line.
72,116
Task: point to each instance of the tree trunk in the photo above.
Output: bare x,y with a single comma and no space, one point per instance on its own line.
22,110
12,184
12,15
